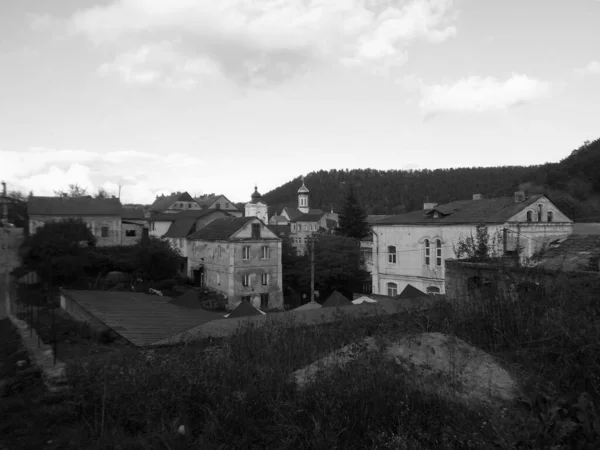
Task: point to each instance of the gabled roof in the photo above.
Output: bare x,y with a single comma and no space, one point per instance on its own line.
181,228
206,202
293,213
373,218
195,213
412,292
491,210
221,229
277,218
575,252
314,217
74,206
336,299
132,213
163,202
244,309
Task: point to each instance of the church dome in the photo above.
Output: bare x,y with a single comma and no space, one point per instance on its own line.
256,195
303,189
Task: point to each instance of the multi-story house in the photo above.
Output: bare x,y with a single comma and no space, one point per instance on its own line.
102,215
176,202
411,248
219,202
240,258
133,223
305,221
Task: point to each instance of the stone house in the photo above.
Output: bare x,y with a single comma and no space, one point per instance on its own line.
239,257
412,248
176,202
102,215
219,201
133,223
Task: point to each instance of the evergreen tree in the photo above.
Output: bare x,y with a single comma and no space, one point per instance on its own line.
353,218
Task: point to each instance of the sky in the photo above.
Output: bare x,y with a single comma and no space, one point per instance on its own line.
211,96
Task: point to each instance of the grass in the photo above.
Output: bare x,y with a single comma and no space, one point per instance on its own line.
235,392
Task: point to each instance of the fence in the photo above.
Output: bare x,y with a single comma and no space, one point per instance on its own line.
28,303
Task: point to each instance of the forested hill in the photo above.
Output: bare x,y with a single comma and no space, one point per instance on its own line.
573,183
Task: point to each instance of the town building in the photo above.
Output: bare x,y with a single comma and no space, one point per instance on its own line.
239,257
257,207
108,221
175,202
412,248
219,201
305,221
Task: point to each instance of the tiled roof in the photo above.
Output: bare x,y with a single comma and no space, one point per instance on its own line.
196,213
491,210
372,218
132,213
292,213
278,219
181,227
308,217
220,229
163,202
205,202
576,252
74,206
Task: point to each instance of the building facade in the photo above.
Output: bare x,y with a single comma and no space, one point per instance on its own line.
239,258
412,248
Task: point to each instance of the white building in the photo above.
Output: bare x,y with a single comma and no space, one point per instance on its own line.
257,207
411,248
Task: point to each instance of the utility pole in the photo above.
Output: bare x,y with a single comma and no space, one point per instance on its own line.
312,269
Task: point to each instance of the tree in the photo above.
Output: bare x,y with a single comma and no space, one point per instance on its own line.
102,193
157,260
353,218
58,251
74,191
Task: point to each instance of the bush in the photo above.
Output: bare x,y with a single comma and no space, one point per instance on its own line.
167,284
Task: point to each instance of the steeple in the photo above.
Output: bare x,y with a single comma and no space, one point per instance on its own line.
303,198
257,207
256,195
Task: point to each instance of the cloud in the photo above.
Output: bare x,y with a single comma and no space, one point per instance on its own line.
593,68
139,173
477,94
258,43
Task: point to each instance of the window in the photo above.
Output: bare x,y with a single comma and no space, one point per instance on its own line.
246,280
219,252
392,254
246,298
217,206
433,290
226,205
427,252
392,289
130,233
293,227
246,252
539,213
264,279
438,252
265,253
305,227
104,231
529,216
264,302
256,230
550,216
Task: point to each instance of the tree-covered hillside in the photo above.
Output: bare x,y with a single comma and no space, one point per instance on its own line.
573,183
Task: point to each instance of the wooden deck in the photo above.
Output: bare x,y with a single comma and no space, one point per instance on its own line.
140,318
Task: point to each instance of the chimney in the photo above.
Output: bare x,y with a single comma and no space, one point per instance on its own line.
477,196
519,196
429,205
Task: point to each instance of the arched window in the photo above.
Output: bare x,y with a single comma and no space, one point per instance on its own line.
438,252
427,252
392,289
529,216
392,254
550,216
540,212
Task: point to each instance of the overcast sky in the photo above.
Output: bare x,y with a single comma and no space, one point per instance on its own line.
216,95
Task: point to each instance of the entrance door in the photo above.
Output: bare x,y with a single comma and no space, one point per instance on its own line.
264,302
198,277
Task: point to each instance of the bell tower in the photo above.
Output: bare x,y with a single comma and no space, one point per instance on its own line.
303,205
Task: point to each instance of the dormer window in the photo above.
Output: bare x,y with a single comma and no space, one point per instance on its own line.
529,216
550,216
